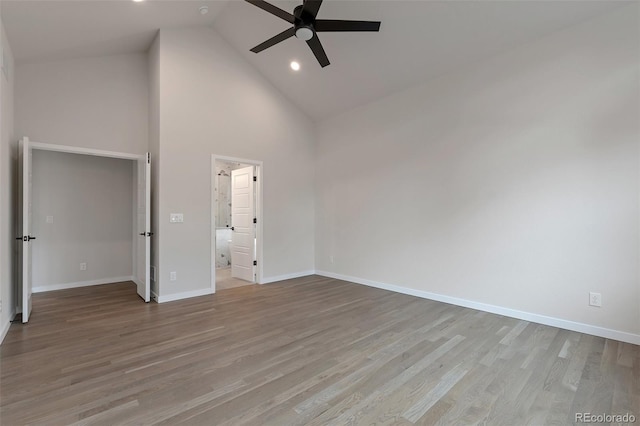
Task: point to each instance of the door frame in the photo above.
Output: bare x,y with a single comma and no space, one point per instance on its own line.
259,209
33,145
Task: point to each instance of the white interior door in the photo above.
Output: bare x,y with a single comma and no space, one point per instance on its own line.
243,230
143,247
26,182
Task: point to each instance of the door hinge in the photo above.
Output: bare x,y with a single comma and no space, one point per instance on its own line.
255,178
148,158
255,263
255,220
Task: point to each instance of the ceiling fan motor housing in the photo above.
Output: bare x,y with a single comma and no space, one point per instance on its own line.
302,16
303,24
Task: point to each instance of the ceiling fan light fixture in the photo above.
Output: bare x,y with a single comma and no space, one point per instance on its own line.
304,33
305,25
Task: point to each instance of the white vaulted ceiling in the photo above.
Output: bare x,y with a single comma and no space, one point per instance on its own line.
418,40
45,30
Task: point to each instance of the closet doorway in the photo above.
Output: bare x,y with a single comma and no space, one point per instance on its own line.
236,222
138,167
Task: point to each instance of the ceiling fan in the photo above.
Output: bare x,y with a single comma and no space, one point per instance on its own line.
306,26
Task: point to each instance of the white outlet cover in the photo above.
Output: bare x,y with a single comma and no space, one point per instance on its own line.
49,219
173,276
176,218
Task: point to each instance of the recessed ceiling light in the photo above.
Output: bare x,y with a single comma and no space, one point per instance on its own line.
204,10
138,1
295,66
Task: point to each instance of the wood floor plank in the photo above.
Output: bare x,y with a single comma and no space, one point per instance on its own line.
306,351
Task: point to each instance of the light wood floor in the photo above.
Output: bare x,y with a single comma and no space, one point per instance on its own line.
225,281
309,351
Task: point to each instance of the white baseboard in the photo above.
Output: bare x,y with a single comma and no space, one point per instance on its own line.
500,310
4,331
64,286
185,295
154,296
269,280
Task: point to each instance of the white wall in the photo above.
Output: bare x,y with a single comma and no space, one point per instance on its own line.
8,194
213,102
153,68
91,201
514,183
99,103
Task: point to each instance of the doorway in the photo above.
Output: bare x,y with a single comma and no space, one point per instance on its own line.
236,222
131,232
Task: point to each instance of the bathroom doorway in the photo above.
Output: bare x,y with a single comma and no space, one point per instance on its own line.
235,216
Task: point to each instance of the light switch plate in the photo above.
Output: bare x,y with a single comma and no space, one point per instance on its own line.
176,218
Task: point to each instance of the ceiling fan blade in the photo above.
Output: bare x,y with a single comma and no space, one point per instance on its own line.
275,40
316,48
325,25
311,7
273,10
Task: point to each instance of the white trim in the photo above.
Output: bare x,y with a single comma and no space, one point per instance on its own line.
259,209
500,310
85,151
185,295
154,296
64,286
4,331
136,281
270,280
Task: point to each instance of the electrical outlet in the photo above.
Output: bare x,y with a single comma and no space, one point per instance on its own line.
331,259
173,276
49,219
595,299
83,266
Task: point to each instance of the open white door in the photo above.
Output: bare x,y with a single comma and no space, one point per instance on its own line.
26,181
143,247
243,235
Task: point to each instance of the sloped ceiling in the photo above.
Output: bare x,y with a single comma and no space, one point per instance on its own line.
48,30
418,40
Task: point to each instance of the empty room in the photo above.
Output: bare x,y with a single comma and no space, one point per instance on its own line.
307,212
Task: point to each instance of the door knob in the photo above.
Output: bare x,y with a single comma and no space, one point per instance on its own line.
142,233
29,238
233,229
